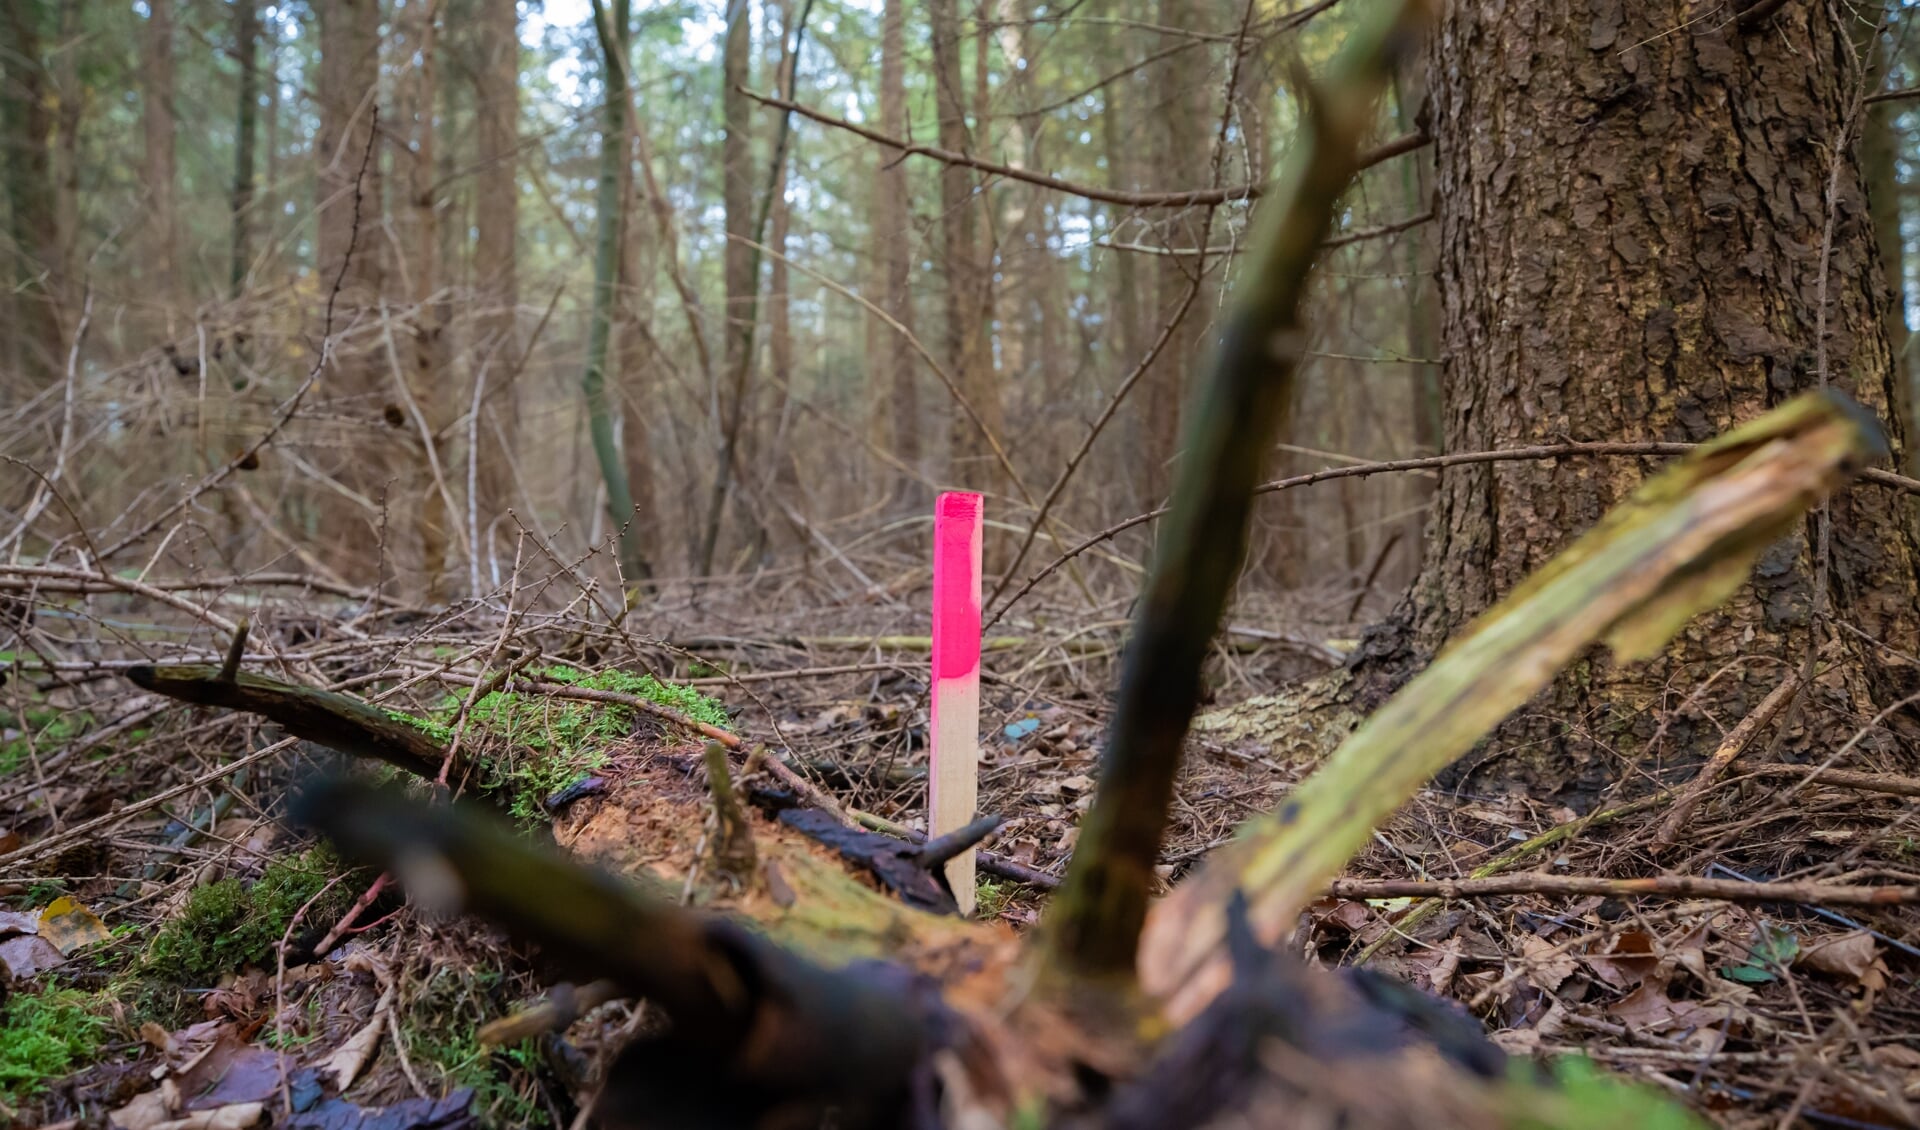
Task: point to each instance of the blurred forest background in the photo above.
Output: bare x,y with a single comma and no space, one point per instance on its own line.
579,259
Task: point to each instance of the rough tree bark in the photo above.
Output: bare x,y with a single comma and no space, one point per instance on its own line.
1633,207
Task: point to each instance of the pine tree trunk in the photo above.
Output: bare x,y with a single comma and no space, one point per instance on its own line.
1631,249
970,461
894,382
496,97
28,132
1181,88
349,207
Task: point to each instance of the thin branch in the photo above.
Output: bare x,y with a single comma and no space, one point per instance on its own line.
1661,886
1427,463
1367,159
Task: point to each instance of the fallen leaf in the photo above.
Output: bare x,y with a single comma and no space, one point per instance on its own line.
69,925
1853,956
450,1113
1342,914
148,1110
18,922
1649,1009
1628,959
1897,1056
1547,964
27,955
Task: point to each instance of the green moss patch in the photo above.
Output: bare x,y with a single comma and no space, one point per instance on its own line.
229,924
547,743
47,1035
441,1023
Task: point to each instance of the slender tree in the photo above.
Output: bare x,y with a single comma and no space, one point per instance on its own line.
161,172
26,126
968,307
739,264
496,222
892,382
246,49
614,29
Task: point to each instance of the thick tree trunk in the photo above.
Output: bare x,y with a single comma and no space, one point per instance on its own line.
1632,228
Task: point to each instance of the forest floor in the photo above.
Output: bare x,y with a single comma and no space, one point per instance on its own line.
161,918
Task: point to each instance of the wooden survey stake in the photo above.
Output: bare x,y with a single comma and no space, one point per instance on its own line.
953,780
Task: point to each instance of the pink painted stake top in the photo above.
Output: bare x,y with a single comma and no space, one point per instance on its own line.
953,774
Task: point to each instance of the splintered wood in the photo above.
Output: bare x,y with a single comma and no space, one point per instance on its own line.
953,773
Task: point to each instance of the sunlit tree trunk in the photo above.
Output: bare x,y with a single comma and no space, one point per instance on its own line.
1631,249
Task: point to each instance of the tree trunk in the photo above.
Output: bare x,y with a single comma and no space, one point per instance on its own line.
156,72
613,27
1631,249
424,356
246,46
738,264
1423,306
638,390
349,207
1181,132
496,96
28,134
967,313
893,381
1880,144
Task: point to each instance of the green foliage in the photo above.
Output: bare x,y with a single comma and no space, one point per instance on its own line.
227,925
990,900
550,743
1774,948
441,1026
46,1035
1584,1097
40,727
